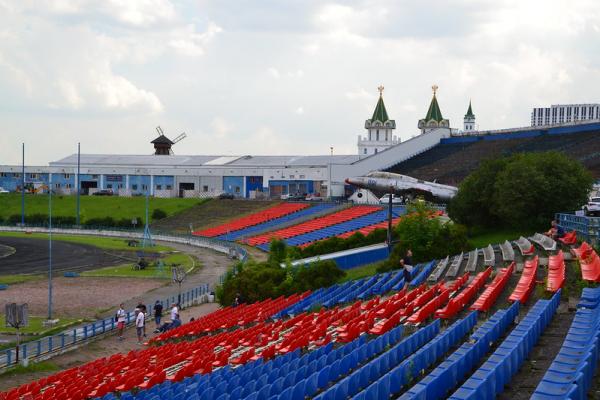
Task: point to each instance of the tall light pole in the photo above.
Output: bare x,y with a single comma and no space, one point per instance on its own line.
50,250
78,180
329,188
389,232
23,188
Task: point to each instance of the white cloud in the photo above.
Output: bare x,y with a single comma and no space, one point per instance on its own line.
221,128
299,110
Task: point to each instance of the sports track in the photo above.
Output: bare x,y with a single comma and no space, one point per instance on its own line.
31,256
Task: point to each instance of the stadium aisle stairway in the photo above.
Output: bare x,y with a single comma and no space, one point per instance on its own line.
571,373
256,218
489,380
314,224
251,230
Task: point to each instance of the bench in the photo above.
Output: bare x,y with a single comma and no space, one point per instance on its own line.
439,270
472,261
508,253
489,257
455,266
545,242
525,246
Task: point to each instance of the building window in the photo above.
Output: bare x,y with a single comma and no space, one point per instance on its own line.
57,185
292,176
302,176
94,176
144,187
377,135
67,176
375,151
120,186
205,188
365,150
237,189
33,176
169,187
133,187
158,187
68,185
109,186
2,174
17,175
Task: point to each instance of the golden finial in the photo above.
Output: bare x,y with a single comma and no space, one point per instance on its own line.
380,88
435,88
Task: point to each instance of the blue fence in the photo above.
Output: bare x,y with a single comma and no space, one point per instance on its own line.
76,336
587,228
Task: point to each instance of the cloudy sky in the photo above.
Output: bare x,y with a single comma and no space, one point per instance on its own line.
278,77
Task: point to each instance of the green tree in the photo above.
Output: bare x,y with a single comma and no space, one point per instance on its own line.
521,191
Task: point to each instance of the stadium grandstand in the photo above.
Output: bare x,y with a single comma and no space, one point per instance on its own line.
376,337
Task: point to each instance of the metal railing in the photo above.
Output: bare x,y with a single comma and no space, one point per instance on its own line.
56,344
587,228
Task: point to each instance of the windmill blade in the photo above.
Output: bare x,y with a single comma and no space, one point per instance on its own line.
159,130
179,138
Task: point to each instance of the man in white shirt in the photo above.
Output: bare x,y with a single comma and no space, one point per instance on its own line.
174,312
140,321
120,316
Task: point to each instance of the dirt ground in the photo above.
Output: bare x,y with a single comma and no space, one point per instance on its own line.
104,347
77,297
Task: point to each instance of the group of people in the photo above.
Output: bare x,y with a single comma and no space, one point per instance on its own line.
140,315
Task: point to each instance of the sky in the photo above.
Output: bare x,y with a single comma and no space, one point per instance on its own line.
287,77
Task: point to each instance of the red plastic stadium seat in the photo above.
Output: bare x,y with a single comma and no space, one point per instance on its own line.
491,293
590,266
582,250
569,238
526,283
556,272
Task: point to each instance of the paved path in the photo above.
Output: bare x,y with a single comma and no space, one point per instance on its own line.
213,265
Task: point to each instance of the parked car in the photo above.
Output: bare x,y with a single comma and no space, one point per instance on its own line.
226,196
103,192
293,196
592,207
2,190
385,199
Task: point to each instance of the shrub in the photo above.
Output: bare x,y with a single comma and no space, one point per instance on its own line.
157,214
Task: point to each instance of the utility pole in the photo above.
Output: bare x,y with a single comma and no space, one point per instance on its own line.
23,188
78,179
50,253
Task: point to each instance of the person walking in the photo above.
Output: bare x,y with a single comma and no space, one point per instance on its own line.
158,311
140,322
120,316
174,311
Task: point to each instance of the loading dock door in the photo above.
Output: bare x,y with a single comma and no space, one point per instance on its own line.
185,186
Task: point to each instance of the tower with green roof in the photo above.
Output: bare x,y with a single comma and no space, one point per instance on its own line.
433,119
469,121
380,130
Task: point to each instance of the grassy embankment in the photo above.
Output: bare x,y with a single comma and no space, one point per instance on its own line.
93,206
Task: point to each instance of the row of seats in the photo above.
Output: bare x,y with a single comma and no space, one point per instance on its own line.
256,218
527,281
460,301
491,293
589,262
345,292
489,380
314,224
229,317
396,376
286,219
556,272
570,374
333,230
449,373
421,272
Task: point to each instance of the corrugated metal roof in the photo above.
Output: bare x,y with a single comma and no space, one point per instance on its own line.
191,161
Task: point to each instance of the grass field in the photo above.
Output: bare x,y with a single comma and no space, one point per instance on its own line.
19,278
482,239
107,243
127,271
36,327
93,206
